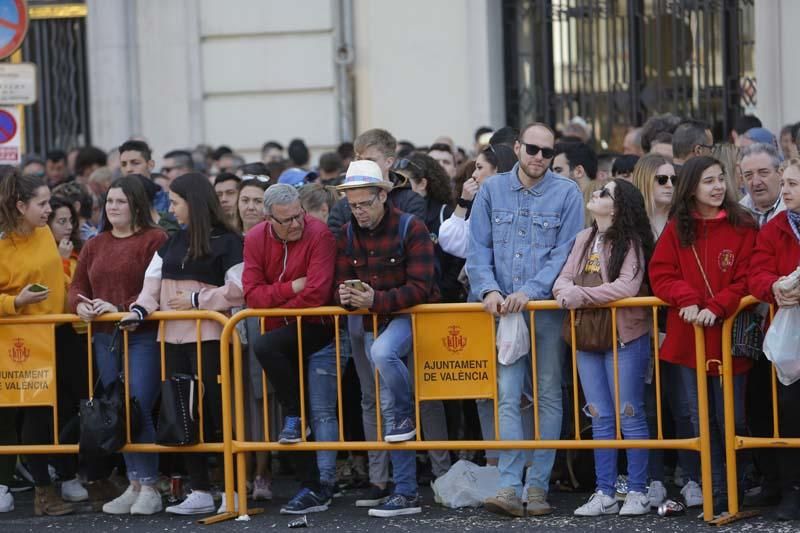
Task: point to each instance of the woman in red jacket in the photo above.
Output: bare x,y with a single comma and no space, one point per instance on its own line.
776,255
699,267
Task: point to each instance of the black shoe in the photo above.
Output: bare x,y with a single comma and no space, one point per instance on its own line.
397,505
768,496
789,508
307,501
374,497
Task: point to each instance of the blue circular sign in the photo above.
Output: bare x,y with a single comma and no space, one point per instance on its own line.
13,25
8,126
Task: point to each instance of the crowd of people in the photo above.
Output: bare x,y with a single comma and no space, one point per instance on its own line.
380,225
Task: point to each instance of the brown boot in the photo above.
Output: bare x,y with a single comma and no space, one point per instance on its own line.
100,492
48,502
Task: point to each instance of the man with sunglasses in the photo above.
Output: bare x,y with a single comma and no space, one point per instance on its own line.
385,263
691,138
288,263
522,227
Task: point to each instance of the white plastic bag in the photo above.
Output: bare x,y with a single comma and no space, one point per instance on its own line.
782,344
513,338
466,485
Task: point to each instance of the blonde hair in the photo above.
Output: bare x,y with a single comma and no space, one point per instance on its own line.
728,155
644,178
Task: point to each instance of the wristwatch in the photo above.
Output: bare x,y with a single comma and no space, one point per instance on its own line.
466,204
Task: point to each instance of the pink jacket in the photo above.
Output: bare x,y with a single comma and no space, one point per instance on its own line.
632,322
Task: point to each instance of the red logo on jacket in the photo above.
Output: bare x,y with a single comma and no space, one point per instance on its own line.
725,259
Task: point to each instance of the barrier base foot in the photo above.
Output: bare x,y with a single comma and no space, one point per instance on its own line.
254,510
731,518
217,518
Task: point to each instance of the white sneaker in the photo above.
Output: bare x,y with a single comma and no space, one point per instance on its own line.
148,502
692,494
195,503
262,489
122,503
73,491
598,504
656,493
635,504
6,500
223,507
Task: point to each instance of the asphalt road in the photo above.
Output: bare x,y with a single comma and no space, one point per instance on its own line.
344,516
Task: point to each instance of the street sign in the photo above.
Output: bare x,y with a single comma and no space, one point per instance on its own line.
10,138
13,25
17,83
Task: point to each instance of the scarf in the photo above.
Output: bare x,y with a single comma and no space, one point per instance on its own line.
794,223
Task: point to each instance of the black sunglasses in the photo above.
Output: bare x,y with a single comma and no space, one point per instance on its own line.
533,149
403,164
605,192
662,179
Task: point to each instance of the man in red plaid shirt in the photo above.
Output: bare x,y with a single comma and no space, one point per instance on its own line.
385,263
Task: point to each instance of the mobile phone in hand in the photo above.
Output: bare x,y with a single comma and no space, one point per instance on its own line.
355,284
38,287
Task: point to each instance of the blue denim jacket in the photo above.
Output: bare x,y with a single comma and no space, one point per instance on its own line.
520,238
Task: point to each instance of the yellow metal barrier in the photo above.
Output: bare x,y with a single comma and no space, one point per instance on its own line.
218,447
239,445
734,442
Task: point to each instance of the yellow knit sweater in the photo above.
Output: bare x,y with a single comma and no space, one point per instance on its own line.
31,259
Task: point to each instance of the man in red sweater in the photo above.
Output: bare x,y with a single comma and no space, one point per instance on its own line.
288,263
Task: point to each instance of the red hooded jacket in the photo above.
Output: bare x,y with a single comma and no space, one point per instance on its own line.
724,252
271,264
777,254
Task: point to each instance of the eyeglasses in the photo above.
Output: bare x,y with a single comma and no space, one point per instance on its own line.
533,149
289,221
363,206
662,179
260,177
604,192
403,164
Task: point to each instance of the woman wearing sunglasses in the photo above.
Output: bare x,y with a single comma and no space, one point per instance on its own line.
616,249
655,178
699,268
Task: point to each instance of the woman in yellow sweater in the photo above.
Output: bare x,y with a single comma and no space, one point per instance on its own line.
29,257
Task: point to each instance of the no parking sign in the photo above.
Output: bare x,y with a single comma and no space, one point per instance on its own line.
10,153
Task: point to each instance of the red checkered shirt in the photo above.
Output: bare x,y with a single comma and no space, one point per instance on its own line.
399,281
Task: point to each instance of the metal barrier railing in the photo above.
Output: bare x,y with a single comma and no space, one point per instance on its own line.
420,314
161,316
734,442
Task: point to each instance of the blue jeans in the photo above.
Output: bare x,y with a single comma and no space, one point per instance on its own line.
673,401
386,353
511,384
716,419
323,397
596,370
144,368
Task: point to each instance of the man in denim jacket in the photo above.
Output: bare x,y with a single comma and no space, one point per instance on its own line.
522,226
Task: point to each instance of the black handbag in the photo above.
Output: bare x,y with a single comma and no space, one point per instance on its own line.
177,417
102,417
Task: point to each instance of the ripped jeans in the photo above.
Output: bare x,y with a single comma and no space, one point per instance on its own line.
596,371
323,397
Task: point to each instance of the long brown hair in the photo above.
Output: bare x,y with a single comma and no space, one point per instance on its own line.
684,203
14,188
205,212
